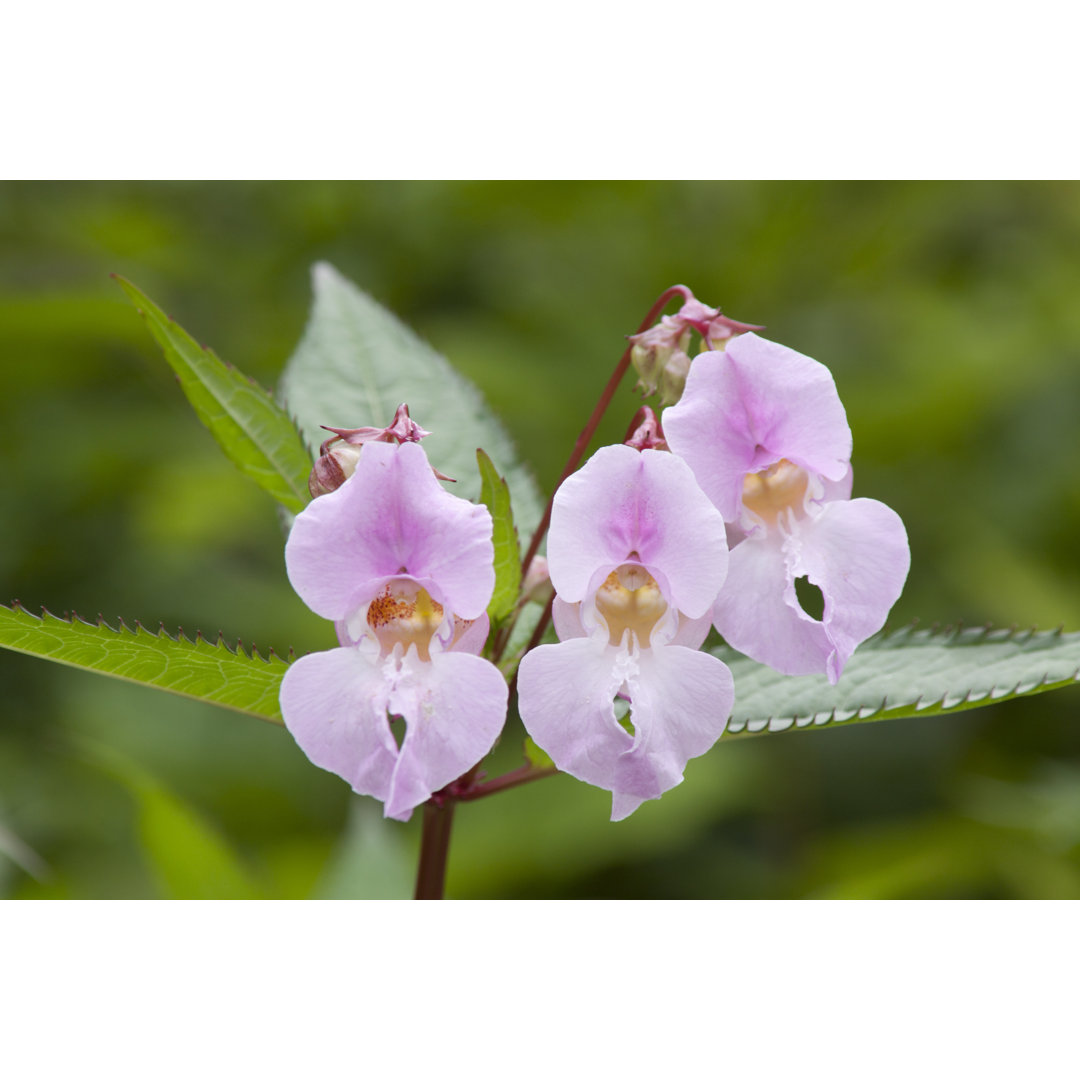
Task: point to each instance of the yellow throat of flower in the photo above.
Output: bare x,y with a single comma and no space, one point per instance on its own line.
630,599
404,614
778,488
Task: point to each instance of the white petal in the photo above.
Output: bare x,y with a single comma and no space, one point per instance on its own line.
755,616
680,703
857,554
565,697
454,708
334,705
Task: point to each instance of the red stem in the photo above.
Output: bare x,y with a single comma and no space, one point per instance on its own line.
434,847
524,775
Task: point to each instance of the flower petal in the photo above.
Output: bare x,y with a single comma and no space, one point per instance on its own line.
471,636
391,517
692,632
680,703
334,705
624,501
565,697
755,617
857,554
454,708
566,618
746,408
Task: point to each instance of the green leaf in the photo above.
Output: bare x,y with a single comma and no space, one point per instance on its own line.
256,434
357,363
907,673
495,495
196,669
541,759
191,859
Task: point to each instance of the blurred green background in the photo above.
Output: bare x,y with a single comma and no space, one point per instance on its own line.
948,314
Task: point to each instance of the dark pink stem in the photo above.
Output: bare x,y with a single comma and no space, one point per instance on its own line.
526,774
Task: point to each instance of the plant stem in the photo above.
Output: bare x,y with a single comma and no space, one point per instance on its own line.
439,816
434,847
526,774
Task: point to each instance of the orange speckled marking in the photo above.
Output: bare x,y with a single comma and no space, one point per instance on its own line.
406,615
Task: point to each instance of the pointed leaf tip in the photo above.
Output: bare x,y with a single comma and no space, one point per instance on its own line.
254,432
357,362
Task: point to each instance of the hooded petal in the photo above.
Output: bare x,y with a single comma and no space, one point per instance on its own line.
855,552
334,705
680,703
565,697
624,501
746,408
391,517
454,707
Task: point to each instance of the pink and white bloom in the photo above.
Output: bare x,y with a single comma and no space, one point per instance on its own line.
764,432
406,571
637,556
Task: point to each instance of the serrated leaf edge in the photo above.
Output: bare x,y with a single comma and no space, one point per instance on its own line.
70,618
937,634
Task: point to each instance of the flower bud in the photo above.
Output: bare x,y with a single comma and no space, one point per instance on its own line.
536,586
333,468
648,364
661,354
673,378
652,350
645,432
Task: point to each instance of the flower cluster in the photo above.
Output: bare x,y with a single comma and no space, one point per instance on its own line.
754,454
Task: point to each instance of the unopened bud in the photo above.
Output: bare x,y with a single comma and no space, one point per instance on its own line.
648,364
333,468
673,378
536,587
652,350
645,432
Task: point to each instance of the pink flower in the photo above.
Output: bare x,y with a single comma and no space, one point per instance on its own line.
406,570
764,432
637,556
